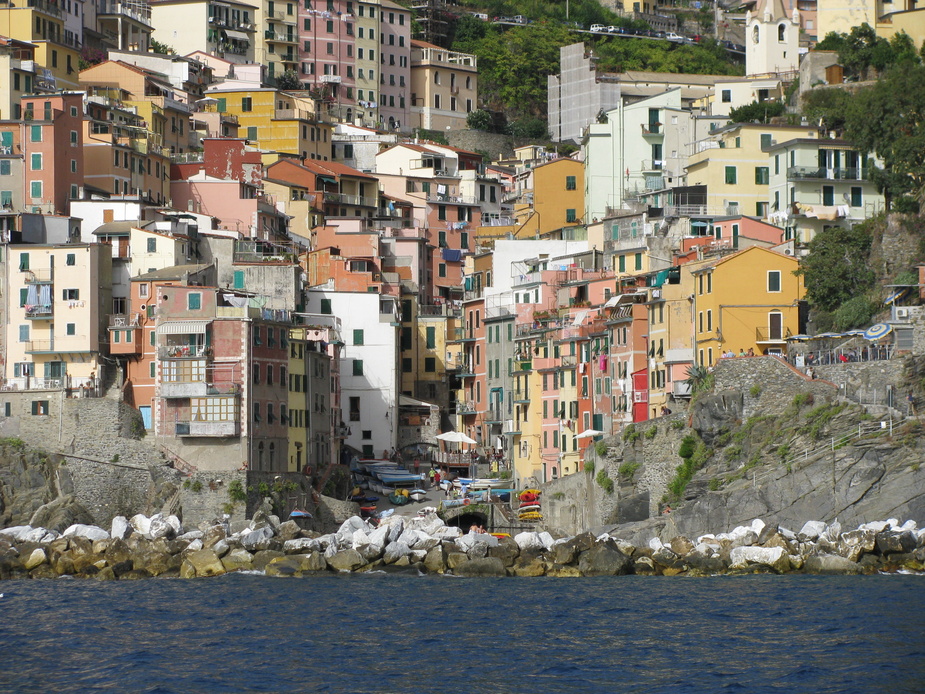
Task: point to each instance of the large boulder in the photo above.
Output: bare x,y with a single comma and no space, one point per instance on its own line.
811,531
88,532
482,567
346,560
140,523
507,551
36,558
395,551
251,540
773,557
17,533
289,530
604,559
238,560
301,545
854,543
563,553
203,562
529,565
529,541
830,564
160,527
289,565
435,561
264,557
896,542
120,528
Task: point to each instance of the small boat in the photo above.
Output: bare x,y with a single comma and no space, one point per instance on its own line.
534,515
454,503
399,499
528,507
418,494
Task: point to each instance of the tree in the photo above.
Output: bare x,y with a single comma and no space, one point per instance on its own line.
162,48
827,105
861,49
888,118
530,128
837,266
757,112
479,120
289,80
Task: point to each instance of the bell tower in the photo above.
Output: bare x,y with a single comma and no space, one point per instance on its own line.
772,39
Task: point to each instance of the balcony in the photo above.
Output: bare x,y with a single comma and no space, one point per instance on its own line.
272,37
651,128
39,276
452,199
40,346
465,408
183,352
294,114
815,173
139,12
461,335
40,312
218,429
343,199
124,320
45,7
772,335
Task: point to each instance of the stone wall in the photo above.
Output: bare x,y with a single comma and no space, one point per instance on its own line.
108,489
869,382
659,457
205,496
498,146
768,384
102,429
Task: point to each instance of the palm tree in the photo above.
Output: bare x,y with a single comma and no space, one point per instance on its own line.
699,378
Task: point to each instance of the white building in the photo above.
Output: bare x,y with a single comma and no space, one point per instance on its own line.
369,377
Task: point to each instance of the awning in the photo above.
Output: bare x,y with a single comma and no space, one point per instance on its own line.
237,35
326,179
580,317
183,327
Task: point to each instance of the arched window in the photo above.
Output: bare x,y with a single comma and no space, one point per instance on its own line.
260,455
272,454
781,37
755,34
436,77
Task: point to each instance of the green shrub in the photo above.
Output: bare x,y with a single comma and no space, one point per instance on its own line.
755,390
715,484
196,486
651,432
601,448
733,452
630,434
236,491
803,399
628,469
677,424
688,444
589,466
604,482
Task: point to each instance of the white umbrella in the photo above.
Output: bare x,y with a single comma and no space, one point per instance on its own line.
455,437
587,433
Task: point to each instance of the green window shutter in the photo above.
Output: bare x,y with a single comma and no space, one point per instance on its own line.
639,261
464,241
622,263
430,365
35,133
730,175
765,140
358,337
857,196
194,301
441,239
6,138
252,132
326,306
570,215
406,338
35,189
828,195
23,295
222,104
357,367
239,279
431,337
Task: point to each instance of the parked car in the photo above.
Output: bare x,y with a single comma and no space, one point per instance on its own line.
598,28
671,36
613,29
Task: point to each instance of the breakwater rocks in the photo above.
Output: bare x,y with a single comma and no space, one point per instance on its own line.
159,546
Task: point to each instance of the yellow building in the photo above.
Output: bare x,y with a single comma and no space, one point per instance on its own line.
42,24
279,121
732,164
57,304
298,415
550,196
749,300
444,87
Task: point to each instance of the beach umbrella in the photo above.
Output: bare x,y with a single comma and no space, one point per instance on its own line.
455,437
799,338
878,330
827,336
588,433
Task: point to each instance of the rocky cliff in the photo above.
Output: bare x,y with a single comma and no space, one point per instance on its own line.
766,443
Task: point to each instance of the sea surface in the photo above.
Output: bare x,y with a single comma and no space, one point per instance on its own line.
388,633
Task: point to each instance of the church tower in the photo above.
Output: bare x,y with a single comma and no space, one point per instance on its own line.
772,39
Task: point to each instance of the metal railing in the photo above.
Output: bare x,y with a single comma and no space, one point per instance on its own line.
124,320
851,173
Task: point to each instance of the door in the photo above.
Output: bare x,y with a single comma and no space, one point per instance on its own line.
146,416
775,326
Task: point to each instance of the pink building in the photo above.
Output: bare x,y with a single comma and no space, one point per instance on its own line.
52,147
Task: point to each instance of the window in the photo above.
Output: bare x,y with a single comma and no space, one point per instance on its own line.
357,367
431,337
35,162
828,195
358,337
246,104
70,259
70,294
194,301
727,96
40,407
441,270
774,280
638,259
5,168
252,132
238,279
762,175
570,183
269,374
731,175
570,215
406,365
430,365
143,290
35,190
35,133
152,245
326,306
857,199
257,339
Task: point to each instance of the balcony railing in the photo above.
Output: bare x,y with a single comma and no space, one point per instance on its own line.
452,199
460,335
651,128
45,276
273,37
33,346
343,199
40,312
465,408
183,352
772,335
124,320
199,428
851,173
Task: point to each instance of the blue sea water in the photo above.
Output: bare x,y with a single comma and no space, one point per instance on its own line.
387,633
